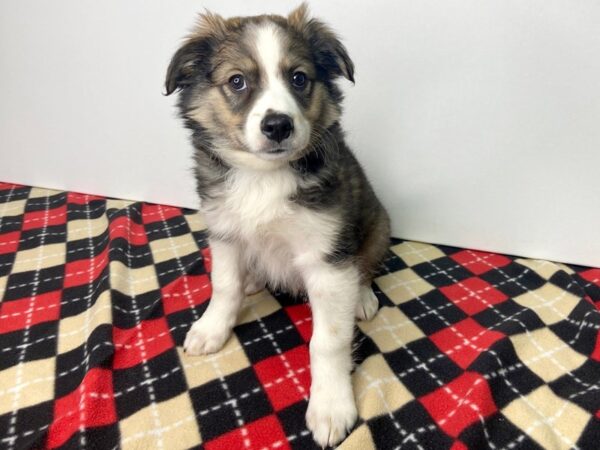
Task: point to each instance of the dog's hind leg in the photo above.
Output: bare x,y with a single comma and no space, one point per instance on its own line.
367,305
253,284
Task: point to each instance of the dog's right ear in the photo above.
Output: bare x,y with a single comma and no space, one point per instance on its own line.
184,66
192,58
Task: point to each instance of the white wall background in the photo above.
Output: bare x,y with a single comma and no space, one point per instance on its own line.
478,121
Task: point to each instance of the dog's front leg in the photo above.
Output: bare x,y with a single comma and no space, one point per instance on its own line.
209,333
333,293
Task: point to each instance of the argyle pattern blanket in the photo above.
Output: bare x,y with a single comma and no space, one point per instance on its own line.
469,349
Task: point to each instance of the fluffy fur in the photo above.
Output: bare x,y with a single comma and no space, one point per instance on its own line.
295,211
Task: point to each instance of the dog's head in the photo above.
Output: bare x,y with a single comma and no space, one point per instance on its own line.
260,88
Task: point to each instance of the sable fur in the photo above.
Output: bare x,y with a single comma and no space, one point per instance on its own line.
293,210
329,176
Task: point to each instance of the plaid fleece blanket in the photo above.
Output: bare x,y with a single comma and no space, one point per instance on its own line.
469,350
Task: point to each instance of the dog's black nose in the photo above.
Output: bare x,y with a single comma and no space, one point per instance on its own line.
277,127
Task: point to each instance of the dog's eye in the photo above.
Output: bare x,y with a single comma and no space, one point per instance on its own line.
237,82
299,80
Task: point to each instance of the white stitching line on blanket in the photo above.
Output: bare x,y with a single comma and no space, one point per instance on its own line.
403,283
513,279
457,266
150,339
100,243
233,401
440,383
8,196
256,390
563,292
106,238
452,350
99,282
46,217
162,377
509,279
115,275
476,337
459,347
109,212
255,340
204,286
214,362
12,426
563,369
82,410
108,306
547,302
557,363
65,203
50,193
491,352
281,355
290,438
456,331
420,363
376,383
593,282
4,206
145,366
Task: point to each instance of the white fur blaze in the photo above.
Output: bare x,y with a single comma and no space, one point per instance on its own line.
276,96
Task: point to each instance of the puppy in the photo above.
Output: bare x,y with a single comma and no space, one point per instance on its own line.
285,201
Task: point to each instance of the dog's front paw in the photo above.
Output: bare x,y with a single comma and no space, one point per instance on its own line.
205,337
330,416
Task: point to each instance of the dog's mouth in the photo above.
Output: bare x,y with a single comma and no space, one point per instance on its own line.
275,153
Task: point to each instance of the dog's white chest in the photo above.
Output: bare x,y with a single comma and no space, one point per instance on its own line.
276,234
253,203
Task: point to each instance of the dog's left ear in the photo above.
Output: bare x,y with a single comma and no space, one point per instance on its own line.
330,54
